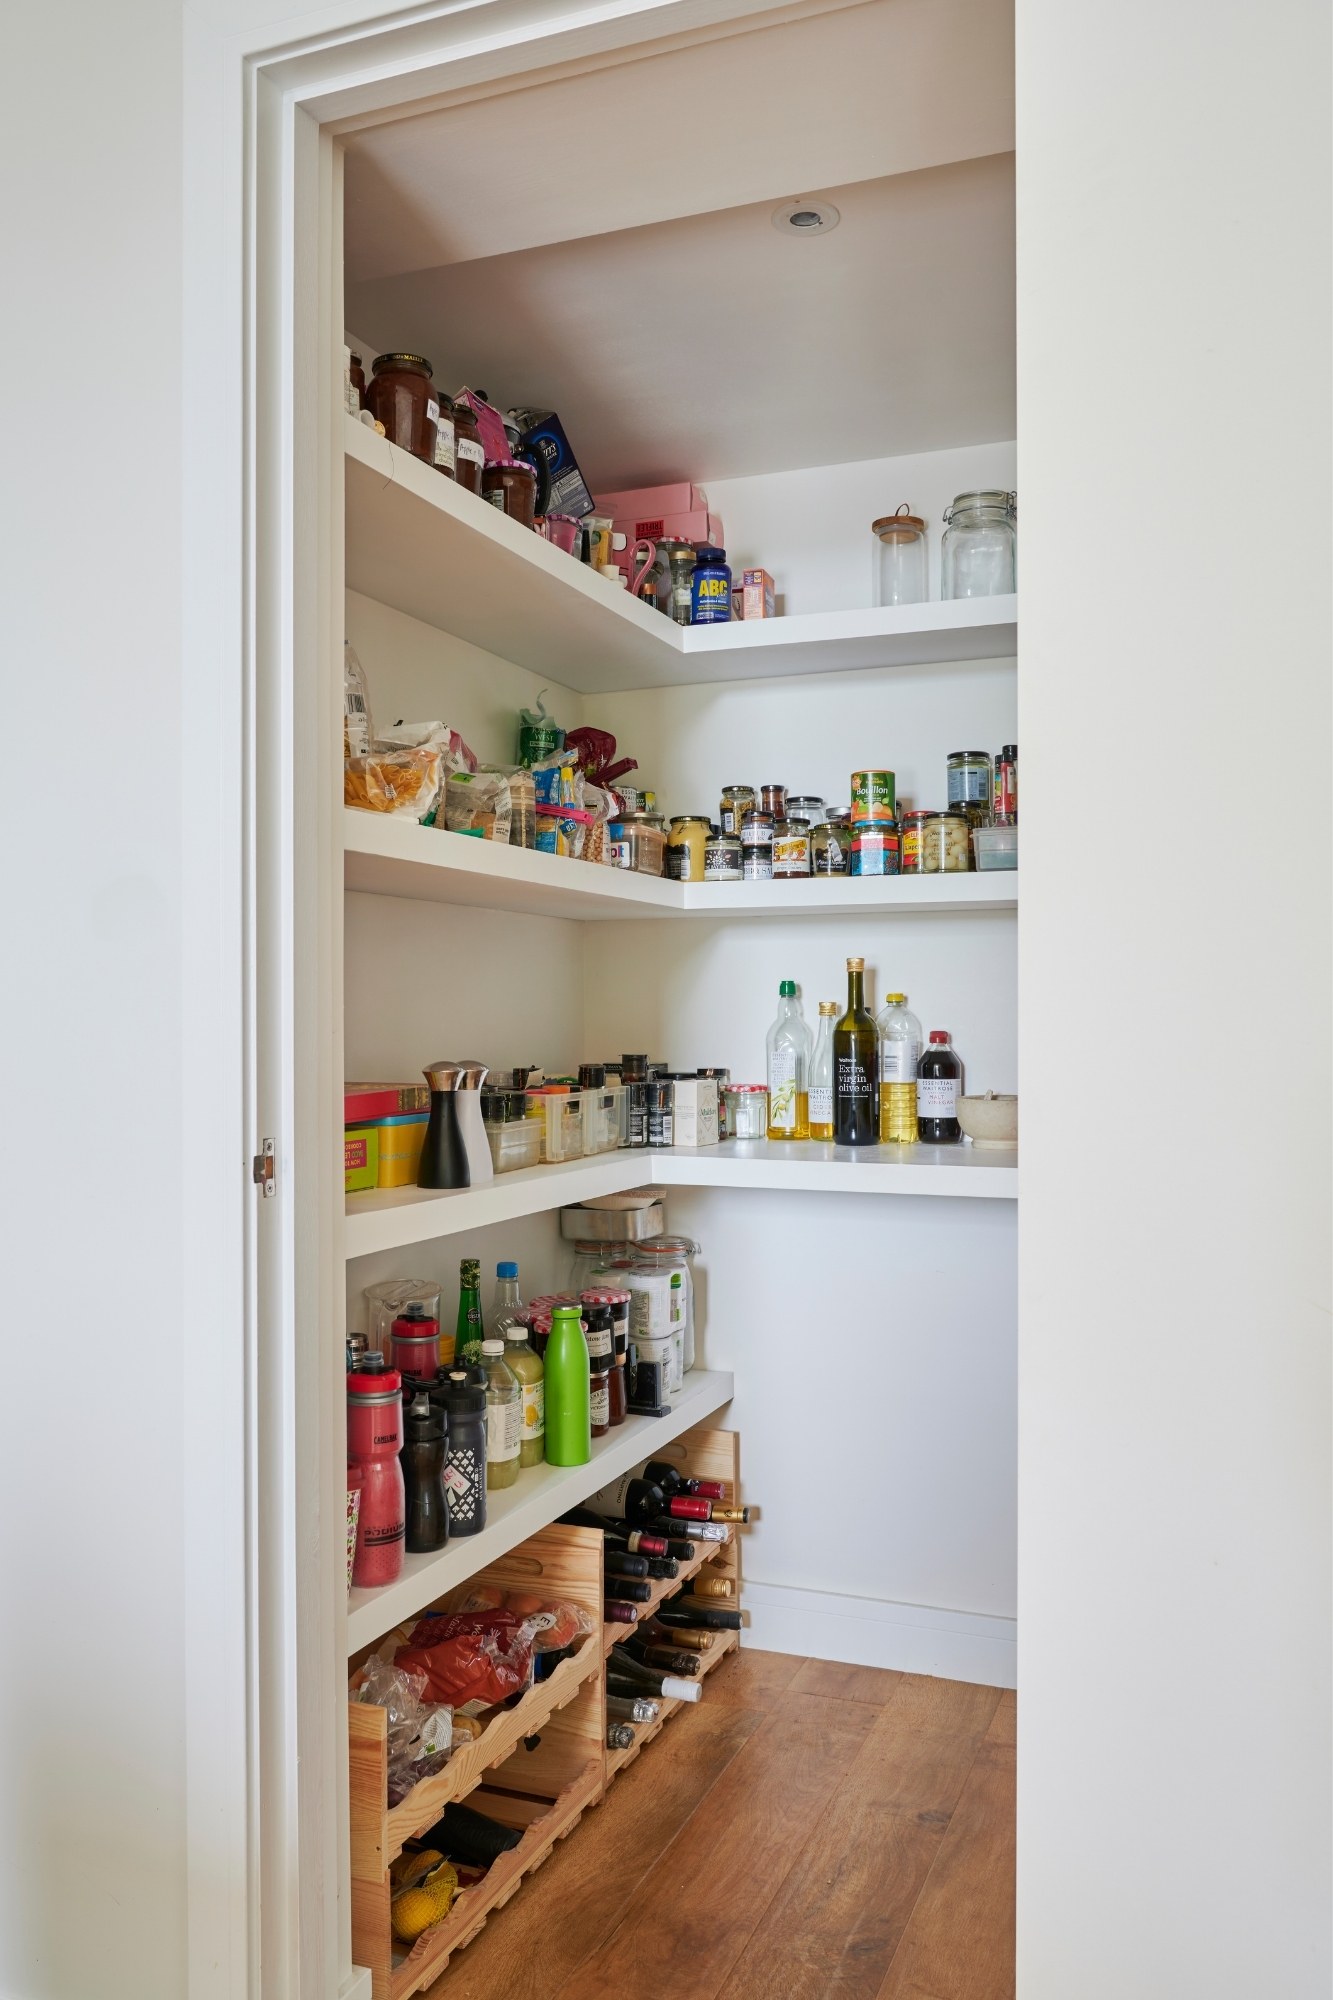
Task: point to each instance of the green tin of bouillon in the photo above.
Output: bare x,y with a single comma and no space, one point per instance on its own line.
874,795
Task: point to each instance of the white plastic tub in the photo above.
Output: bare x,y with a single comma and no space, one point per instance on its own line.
995,847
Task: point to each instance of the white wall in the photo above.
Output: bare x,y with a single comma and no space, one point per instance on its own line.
1174,336
92,1805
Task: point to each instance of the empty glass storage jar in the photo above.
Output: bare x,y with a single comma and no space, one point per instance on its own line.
979,555
900,558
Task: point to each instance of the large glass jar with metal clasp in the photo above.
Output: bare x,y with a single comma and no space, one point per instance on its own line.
979,556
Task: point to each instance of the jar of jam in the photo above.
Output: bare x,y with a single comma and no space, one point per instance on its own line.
686,843
469,455
757,847
773,799
911,847
357,376
722,858
511,485
400,397
791,849
831,846
444,438
737,800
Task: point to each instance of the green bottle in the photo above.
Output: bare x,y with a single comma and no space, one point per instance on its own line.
471,1332
568,1419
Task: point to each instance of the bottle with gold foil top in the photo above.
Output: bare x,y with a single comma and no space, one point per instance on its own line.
899,1053
711,1586
821,1074
856,1067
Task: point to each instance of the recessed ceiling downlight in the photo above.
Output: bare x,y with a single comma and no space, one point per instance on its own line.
806,218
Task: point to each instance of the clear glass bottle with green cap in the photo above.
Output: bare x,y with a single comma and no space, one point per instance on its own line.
568,1397
789,1068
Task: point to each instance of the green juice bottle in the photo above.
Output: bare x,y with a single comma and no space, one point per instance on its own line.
568,1413
471,1332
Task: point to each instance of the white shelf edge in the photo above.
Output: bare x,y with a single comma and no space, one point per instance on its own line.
394,1218
540,1496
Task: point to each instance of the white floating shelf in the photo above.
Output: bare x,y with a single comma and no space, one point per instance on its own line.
396,857
541,1495
393,1218
420,543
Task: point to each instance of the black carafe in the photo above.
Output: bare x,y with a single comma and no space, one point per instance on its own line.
444,1155
422,1458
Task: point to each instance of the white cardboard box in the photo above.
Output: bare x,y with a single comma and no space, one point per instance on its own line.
694,1111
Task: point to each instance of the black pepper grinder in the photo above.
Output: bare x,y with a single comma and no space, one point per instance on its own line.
444,1155
422,1458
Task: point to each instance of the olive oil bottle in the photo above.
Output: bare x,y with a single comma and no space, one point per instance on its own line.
856,1067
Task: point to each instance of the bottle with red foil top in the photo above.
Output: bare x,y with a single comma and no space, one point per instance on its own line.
939,1081
415,1344
672,1481
374,1440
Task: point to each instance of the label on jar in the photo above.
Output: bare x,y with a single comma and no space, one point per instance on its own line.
970,786
444,444
660,1128
600,1343
496,496
937,1097
829,860
782,1090
898,1060
534,1410
472,452
504,1430
821,1104
911,850
721,864
757,865
599,1406
791,855
432,410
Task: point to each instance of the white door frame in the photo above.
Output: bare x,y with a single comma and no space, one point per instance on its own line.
265,1610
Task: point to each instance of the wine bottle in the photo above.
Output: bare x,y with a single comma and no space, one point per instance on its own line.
627,1589
678,1635
856,1067
662,1474
665,1659
663,1567
619,1736
629,1499
631,1708
619,1533
625,1675
614,1613
615,1562
700,1531
709,1586
677,1549
700,1615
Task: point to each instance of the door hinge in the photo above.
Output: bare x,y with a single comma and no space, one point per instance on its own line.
264,1169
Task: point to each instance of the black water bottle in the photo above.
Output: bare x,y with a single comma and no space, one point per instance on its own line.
422,1458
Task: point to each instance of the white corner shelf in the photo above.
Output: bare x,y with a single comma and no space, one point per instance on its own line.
420,543
385,856
541,1495
393,1218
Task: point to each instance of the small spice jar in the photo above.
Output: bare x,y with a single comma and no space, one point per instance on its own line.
737,800
911,848
946,844
722,858
444,438
773,799
808,808
875,847
469,455
400,397
511,485
687,843
757,847
970,778
791,849
831,846
747,1110
661,1100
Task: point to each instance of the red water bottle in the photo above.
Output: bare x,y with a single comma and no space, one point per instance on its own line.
415,1344
374,1440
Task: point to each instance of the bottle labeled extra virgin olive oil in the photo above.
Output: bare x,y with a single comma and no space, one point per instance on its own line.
856,1067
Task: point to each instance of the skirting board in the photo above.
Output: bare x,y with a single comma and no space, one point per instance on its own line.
872,1632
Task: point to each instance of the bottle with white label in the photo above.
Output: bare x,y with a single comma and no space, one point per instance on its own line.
821,1073
899,1054
939,1080
504,1416
789,1068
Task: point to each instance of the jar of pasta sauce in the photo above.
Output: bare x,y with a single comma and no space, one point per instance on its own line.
791,849
401,398
511,485
757,847
469,453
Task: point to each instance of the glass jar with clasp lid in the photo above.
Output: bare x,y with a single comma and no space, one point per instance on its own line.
979,554
831,845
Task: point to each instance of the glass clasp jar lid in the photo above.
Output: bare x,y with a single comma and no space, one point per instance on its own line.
990,500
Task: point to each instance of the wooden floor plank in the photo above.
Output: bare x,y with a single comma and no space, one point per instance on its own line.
959,1941
847,1901
570,1906
693,1917
875,1685
753,1680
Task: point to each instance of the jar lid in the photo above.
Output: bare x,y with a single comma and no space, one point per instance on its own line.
708,554
939,1034
742,791
1009,753
690,819
919,813
874,826
992,501
969,753
510,465
899,526
745,1089
943,813
400,361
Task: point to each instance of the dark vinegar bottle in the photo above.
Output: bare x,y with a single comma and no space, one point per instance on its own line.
856,1067
939,1079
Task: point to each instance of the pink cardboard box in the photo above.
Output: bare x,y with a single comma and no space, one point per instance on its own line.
650,501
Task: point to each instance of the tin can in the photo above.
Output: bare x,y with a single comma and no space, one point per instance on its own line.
791,849
874,795
722,858
875,847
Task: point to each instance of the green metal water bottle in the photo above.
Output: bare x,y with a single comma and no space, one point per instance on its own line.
568,1422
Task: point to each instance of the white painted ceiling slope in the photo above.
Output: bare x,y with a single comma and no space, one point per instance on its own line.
601,244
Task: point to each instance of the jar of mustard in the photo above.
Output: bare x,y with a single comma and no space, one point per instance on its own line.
687,838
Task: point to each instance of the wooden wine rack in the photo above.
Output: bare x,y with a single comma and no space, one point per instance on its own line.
537,1766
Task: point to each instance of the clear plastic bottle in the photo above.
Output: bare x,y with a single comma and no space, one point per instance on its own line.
899,1054
789,1068
527,1369
504,1416
821,1073
509,1307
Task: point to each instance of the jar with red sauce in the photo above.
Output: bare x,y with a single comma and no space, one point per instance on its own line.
511,485
399,395
469,453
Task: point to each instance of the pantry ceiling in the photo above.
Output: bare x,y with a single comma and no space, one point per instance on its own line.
602,245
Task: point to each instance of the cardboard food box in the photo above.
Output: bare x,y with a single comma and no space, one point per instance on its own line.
361,1158
694,1111
400,1144
682,498
363,1103
757,595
